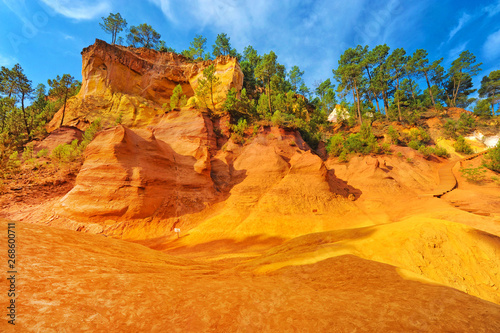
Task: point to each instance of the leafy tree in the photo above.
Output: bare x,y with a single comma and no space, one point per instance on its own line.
62,88
349,74
222,46
113,24
440,79
483,108
326,96
461,71
380,79
490,89
304,90
7,81
178,99
251,55
162,47
207,86
143,36
372,64
22,89
421,64
295,76
461,96
396,64
265,70
197,48
6,105
241,107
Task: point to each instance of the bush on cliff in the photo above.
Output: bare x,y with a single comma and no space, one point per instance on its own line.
462,146
492,159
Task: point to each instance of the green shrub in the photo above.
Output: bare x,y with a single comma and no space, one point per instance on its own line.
419,134
414,144
240,128
11,165
492,159
66,153
119,119
425,150
393,135
385,148
462,146
450,129
28,152
43,153
178,99
441,152
354,144
90,133
473,175
465,124
343,157
335,145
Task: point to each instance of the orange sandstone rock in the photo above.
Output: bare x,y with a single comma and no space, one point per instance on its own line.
133,84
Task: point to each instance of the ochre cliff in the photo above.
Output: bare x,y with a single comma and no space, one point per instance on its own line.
160,171
264,220
133,84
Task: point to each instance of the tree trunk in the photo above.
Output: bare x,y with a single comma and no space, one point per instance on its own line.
430,90
455,92
212,95
64,108
28,131
386,104
376,101
411,88
359,107
269,96
399,112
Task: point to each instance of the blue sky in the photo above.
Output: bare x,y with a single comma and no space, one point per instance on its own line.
47,36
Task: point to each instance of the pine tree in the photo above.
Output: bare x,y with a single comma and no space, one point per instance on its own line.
490,88
208,85
113,24
222,46
62,88
143,36
265,70
462,69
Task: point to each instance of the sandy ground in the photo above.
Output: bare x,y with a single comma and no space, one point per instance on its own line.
74,282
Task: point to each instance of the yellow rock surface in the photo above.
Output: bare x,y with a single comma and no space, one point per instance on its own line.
133,84
448,253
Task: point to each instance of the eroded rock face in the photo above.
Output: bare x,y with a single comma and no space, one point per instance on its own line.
133,84
160,171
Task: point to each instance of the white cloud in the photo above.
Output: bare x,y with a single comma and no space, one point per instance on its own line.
491,48
235,18
7,60
455,52
308,33
461,23
79,10
493,9
19,8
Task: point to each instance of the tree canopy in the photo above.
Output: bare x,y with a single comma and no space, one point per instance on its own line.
143,36
62,88
113,24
